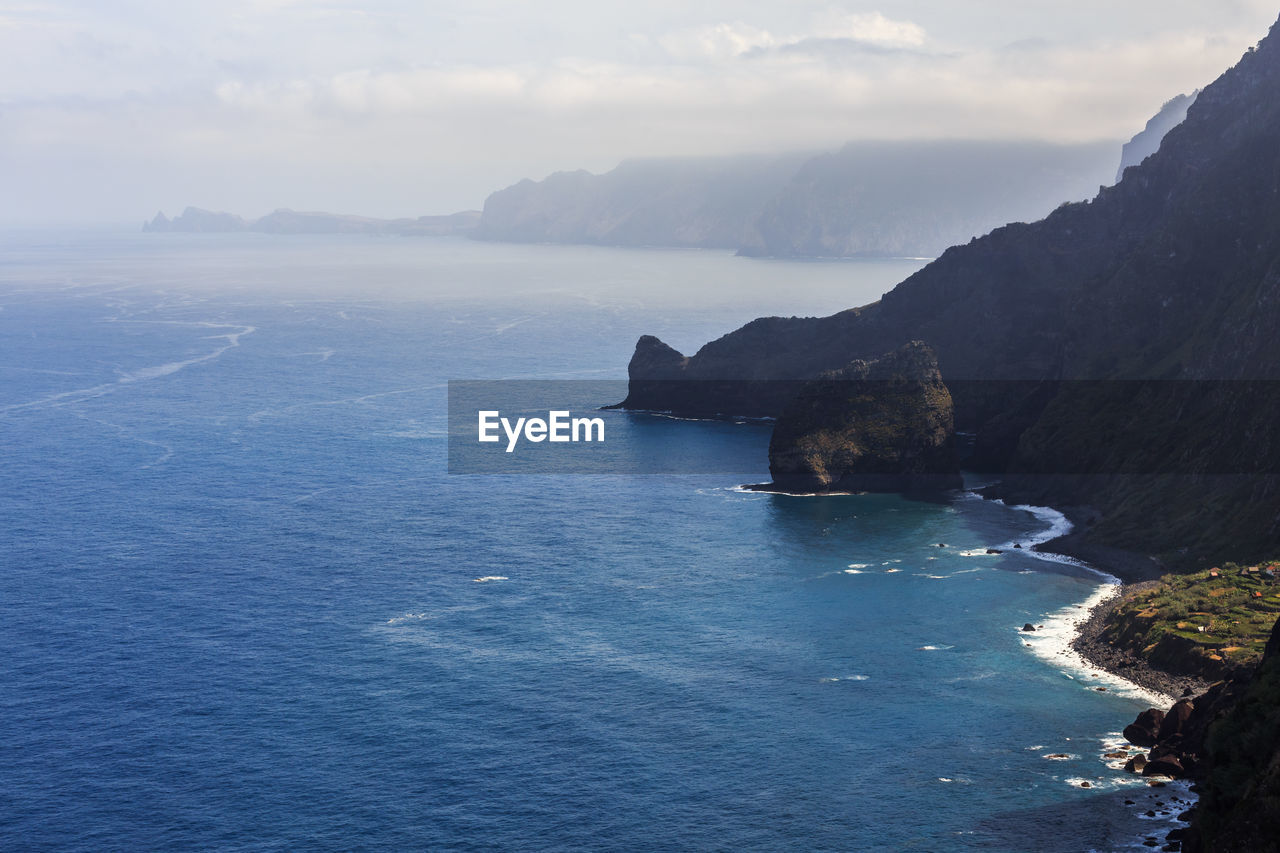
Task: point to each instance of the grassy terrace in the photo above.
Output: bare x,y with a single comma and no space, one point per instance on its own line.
1207,623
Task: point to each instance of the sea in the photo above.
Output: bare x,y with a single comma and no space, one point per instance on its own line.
245,605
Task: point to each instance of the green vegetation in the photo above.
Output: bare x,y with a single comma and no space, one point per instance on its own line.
1208,624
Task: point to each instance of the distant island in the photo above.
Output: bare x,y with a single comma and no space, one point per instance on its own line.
198,220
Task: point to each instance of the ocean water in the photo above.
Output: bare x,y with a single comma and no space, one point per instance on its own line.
244,607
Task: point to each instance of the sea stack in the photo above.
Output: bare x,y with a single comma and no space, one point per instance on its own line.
873,426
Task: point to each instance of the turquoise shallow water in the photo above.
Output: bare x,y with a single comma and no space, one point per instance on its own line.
242,603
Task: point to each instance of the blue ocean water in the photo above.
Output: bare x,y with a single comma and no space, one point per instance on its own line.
244,607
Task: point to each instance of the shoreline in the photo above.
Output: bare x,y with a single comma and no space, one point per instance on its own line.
1136,572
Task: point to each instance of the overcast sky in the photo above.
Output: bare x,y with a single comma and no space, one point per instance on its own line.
110,111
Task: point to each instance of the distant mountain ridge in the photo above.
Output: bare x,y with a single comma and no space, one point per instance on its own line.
877,199
284,221
699,202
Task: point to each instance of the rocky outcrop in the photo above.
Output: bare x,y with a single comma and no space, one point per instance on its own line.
881,426
1144,730
1147,142
1228,739
284,221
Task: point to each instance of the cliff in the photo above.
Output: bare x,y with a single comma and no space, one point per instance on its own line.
283,221
1239,809
916,198
1228,739
884,425
1173,274
1147,142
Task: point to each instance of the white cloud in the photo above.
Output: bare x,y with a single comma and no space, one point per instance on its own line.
871,28
729,40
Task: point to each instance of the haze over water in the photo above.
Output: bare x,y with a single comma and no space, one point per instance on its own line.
244,606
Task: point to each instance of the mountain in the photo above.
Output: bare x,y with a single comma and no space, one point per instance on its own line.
284,221
1147,142
916,198
705,202
872,198
1173,274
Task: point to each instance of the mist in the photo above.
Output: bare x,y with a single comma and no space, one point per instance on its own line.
391,109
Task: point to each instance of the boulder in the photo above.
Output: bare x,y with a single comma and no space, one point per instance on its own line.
1175,721
1167,765
1145,730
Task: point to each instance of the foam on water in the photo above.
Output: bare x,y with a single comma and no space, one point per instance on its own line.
1051,641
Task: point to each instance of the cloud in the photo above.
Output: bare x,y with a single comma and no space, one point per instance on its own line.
249,115
871,28
728,40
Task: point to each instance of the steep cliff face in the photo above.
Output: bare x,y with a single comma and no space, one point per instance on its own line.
916,198
1240,805
881,426
1172,274
1147,142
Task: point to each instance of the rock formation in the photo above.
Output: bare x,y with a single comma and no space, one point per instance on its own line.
1229,741
884,425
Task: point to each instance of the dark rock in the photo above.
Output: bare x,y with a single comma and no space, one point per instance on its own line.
1166,765
1135,764
994,551
1143,731
1175,720
1028,627
880,426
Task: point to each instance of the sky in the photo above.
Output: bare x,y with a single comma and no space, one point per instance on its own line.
111,110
